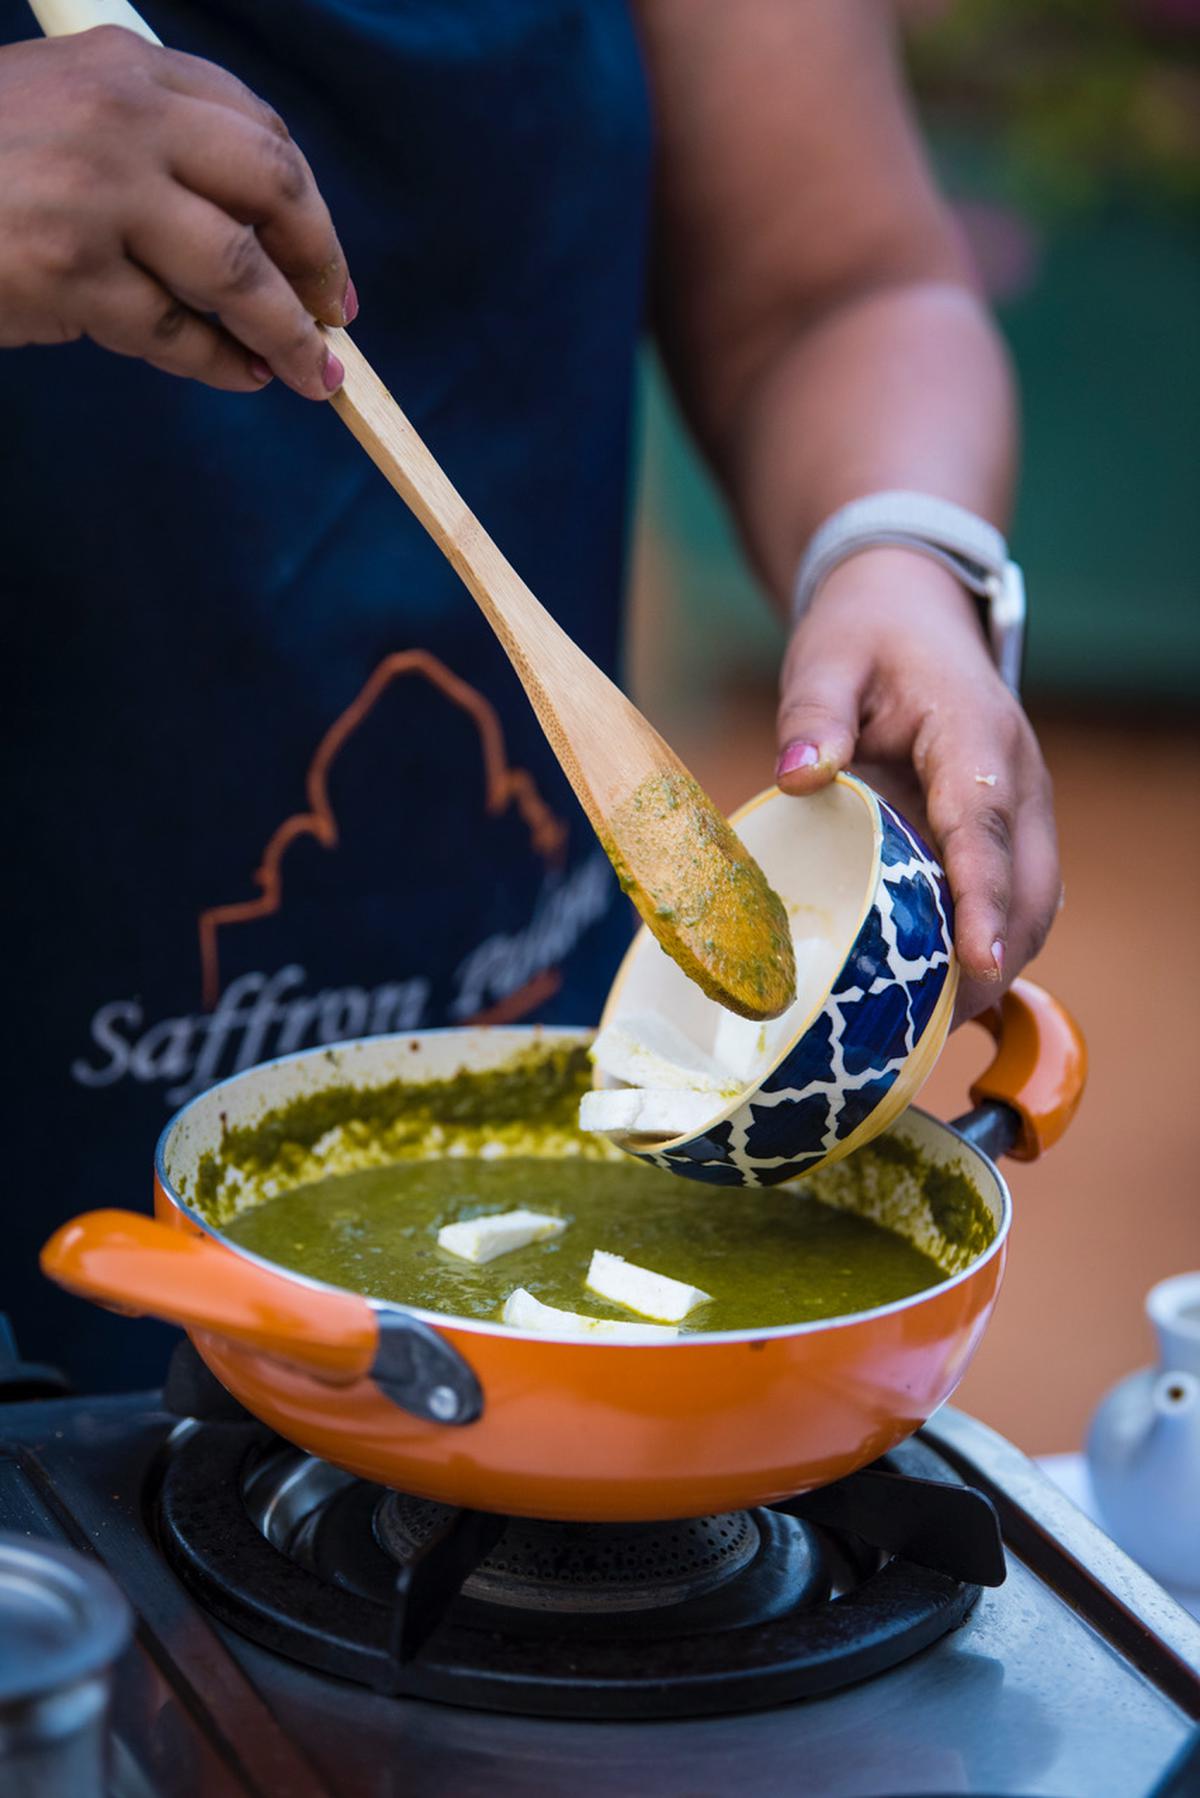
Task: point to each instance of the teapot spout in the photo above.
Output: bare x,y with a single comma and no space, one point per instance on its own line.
1176,1400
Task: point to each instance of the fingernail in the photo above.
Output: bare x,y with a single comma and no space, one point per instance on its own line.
797,755
998,957
350,303
260,370
333,374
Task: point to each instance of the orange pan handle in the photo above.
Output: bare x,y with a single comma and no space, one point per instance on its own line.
1039,1069
138,1265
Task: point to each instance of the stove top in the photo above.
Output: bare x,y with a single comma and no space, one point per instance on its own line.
305,1635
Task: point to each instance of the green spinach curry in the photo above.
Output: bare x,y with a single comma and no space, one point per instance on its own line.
767,1257
352,1185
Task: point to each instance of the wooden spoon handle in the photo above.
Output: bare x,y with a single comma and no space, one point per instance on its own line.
367,408
61,18
576,704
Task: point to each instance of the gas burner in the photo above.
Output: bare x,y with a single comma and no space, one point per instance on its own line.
525,1577
727,1613
576,1568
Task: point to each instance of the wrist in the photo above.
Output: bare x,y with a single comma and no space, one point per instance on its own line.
894,574
970,548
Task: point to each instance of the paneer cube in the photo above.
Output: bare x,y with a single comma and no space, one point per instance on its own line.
482,1239
523,1312
622,1282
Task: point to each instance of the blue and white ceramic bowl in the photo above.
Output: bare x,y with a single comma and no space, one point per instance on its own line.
876,979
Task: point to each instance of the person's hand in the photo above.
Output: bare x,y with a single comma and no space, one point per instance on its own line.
890,669
152,203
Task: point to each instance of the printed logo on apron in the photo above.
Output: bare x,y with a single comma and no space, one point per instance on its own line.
260,1014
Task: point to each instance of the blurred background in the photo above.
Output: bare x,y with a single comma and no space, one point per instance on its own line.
1067,134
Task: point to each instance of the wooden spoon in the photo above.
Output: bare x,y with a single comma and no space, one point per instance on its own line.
701,894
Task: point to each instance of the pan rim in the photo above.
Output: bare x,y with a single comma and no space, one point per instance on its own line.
447,1321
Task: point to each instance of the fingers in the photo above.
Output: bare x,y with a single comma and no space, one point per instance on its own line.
260,178
1037,881
135,316
989,808
221,140
971,802
204,80
217,266
889,667
135,72
819,711
1034,904
1035,895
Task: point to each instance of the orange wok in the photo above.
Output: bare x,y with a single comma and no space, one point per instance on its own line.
472,1413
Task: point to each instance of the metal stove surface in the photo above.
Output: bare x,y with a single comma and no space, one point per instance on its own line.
1078,1678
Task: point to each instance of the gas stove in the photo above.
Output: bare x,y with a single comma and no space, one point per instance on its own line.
945,1622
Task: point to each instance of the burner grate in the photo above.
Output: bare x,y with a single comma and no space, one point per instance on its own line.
578,1568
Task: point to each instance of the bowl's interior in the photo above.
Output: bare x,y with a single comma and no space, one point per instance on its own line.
820,857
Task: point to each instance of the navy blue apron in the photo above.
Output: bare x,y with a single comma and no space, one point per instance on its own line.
250,802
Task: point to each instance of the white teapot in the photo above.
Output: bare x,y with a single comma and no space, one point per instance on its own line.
1143,1448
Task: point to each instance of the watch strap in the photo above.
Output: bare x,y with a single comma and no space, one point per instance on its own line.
972,549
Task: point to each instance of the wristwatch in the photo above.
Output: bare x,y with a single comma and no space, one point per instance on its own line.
970,547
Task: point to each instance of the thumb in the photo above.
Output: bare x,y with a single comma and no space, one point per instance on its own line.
819,711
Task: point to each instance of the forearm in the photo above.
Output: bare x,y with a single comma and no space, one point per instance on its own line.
906,386
817,315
